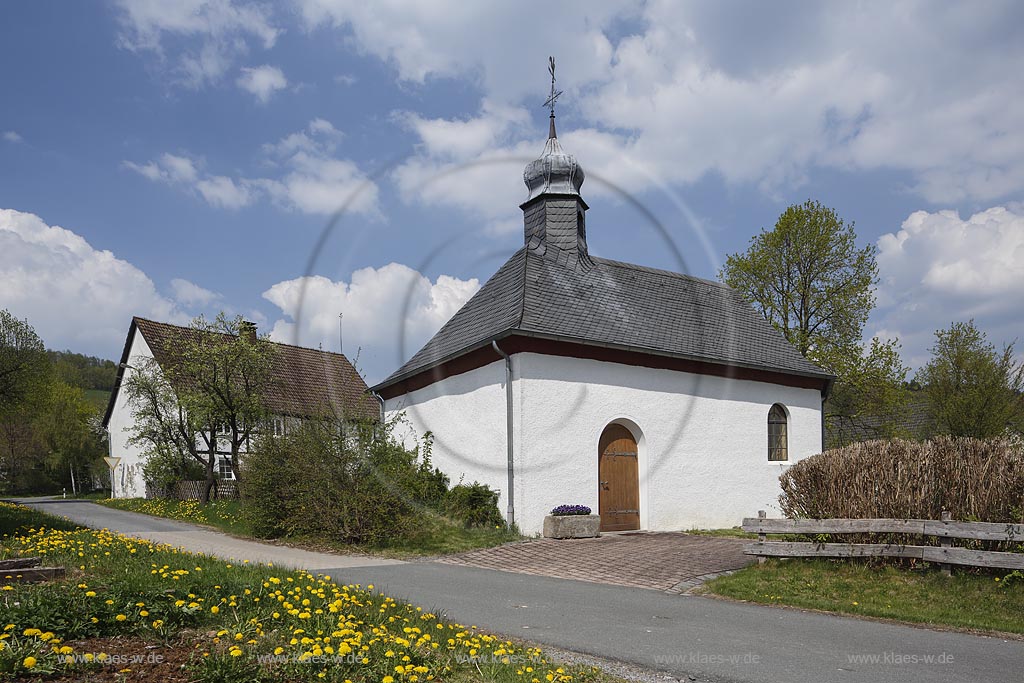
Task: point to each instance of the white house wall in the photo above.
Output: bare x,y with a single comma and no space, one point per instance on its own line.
702,440
128,481
466,414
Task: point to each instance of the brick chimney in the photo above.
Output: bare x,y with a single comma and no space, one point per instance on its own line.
247,330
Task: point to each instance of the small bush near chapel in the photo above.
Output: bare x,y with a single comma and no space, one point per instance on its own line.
474,505
352,484
349,483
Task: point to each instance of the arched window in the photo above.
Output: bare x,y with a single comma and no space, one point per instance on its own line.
778,439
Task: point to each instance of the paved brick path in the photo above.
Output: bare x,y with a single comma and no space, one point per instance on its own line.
670,562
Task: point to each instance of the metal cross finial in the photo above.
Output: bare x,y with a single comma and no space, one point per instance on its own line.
553,97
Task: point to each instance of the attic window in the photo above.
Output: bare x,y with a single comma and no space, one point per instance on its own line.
778,440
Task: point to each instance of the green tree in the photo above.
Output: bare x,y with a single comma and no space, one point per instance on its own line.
808,278
24,368
870,394
22,453
223,375
973,388
70,428
171,436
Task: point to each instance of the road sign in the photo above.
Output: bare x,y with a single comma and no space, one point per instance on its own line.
112,462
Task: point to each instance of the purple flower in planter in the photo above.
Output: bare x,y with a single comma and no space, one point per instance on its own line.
565,510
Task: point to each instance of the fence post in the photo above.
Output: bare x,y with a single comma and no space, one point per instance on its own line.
946,542
761,538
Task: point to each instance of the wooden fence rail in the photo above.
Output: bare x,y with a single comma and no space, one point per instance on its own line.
944,529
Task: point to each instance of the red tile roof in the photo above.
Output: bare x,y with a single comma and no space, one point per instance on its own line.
305,381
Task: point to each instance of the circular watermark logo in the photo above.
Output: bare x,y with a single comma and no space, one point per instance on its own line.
640,323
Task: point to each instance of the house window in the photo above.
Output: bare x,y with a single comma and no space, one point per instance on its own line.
277,426
224,468
778,439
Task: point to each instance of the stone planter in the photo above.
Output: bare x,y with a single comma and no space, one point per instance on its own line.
572,526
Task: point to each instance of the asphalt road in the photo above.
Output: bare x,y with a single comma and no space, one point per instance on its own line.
702,637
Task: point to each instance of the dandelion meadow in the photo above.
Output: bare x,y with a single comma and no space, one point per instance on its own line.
128,605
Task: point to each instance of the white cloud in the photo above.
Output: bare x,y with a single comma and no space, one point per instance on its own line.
223,192
178,169
319,137
311,178
472,164
262,81
939,268
169,168
450,38
214,33
390,312
464,138
190,294
760,95
322,185
74,295
219,191
476,164
315,180
12,136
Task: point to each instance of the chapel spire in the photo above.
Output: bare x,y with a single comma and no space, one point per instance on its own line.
554,211
552,98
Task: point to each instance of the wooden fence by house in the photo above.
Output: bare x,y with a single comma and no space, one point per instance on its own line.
193,490
945,529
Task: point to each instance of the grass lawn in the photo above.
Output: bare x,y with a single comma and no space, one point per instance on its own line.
92,495
438,535
17,518
733,532
222,514
442,536
968,601
133,610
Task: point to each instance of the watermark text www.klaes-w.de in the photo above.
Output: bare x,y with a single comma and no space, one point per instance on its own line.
900,658
113,659
698,657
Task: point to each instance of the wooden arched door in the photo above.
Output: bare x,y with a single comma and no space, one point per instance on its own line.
618,480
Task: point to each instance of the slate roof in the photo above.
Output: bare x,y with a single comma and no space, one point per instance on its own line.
305,381
913,421
612,304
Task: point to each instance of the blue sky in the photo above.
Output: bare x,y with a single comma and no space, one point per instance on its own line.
167,159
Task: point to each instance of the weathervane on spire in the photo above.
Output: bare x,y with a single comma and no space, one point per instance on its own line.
553,97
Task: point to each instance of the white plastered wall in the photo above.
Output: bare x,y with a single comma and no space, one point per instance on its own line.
466,415
128,481
702,440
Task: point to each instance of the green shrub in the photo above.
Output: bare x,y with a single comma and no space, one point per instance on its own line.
473,504
347,483
162,469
